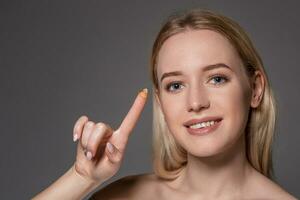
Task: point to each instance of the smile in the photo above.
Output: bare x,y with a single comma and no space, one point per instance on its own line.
203,128
202,125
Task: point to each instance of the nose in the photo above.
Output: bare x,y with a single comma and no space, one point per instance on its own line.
197,99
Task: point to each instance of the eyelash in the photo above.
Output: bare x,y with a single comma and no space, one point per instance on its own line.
224,78
170,85
220,76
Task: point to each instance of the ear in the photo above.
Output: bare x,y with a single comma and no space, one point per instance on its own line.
258,86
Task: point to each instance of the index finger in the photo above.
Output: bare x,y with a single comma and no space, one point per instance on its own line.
132,116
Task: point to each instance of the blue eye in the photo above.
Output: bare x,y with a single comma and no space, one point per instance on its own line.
219,79
173,86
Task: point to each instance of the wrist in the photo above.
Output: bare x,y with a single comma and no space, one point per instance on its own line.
86,181
70,186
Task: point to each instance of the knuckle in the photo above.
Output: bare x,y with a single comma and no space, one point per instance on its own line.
118,158
89,124
83,117
101,126
81,120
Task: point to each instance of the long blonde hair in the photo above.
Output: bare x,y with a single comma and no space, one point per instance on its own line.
168,156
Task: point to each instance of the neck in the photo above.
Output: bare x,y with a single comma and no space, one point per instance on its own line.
220,175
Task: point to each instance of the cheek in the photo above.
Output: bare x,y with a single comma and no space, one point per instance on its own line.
173,108
235,107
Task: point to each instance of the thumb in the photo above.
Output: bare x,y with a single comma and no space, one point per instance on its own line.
113,153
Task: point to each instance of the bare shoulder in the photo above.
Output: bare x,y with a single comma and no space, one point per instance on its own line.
265,188
130,187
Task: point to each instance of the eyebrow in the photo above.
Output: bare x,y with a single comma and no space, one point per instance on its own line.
206,68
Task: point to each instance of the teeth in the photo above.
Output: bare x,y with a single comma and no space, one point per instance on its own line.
202,125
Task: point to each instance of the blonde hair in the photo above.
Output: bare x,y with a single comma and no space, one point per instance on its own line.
168,156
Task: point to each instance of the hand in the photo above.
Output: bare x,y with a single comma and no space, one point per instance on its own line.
100,148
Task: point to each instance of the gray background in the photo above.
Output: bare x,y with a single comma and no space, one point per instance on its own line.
62,59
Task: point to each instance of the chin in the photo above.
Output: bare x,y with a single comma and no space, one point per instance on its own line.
201,146
213,146
205,150
208,145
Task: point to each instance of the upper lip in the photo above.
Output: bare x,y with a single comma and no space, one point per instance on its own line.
204,119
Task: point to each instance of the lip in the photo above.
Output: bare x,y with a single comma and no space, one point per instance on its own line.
205,130
204,119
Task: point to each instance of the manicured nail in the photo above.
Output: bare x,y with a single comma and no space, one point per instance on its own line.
110,147
75,137
89,155
144,93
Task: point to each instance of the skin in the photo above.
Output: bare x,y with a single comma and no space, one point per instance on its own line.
218,158
100,150
95,139
217,166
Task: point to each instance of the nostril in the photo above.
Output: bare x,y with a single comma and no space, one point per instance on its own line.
196,106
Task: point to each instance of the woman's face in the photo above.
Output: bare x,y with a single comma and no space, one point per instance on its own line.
201,75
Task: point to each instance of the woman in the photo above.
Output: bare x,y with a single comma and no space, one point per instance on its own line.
214,118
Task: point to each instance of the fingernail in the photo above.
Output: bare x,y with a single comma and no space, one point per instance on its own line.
110,147
75,137
144,93
89,155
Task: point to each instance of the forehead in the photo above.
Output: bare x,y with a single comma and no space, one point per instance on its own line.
188,51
